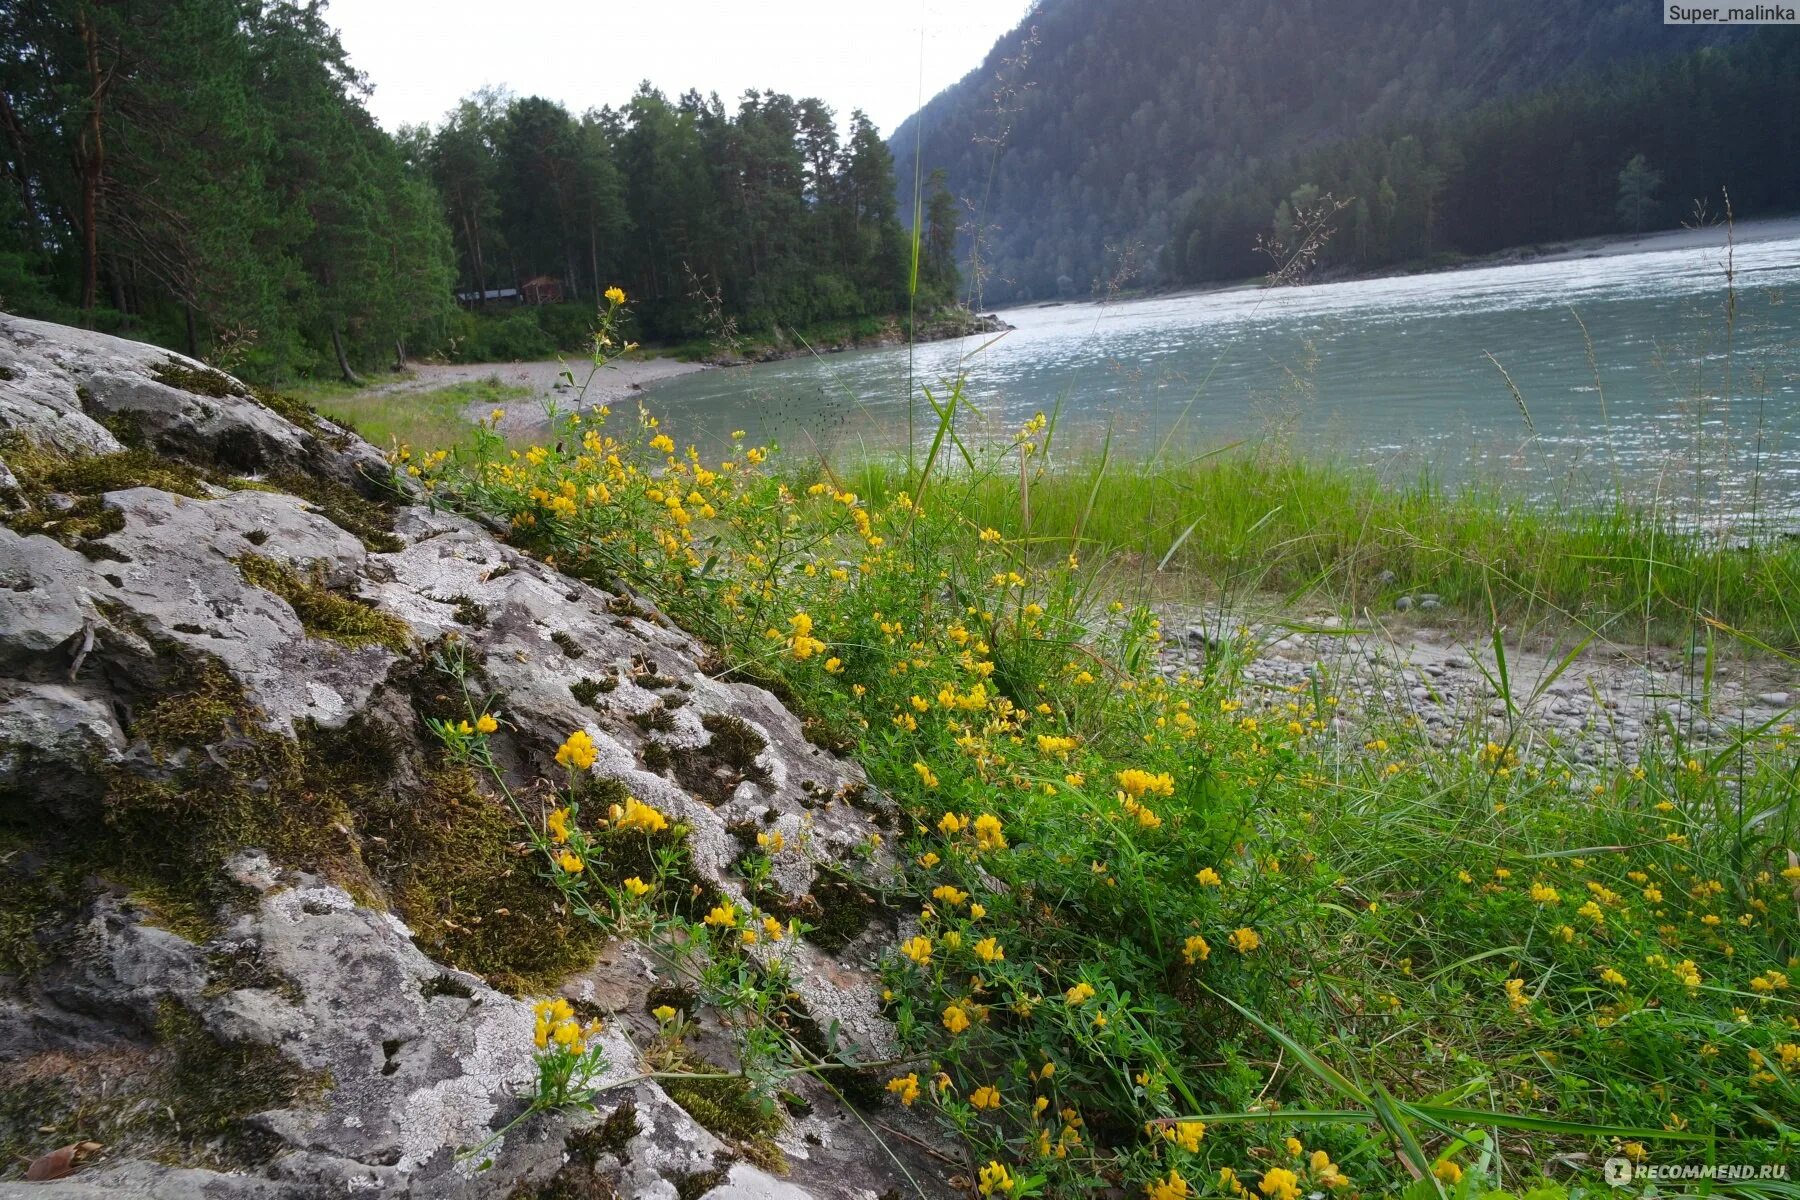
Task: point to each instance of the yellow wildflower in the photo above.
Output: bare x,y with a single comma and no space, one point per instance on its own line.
1279,1183
1244,940
995,1178
638,815
1174,1187
906,1087
578,752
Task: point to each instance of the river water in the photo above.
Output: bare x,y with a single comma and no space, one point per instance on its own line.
1677,403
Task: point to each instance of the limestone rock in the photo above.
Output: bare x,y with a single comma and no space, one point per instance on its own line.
274,800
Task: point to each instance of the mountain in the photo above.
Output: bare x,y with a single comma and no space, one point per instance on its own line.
1090,131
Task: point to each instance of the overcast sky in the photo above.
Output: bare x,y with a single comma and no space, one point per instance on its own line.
425,55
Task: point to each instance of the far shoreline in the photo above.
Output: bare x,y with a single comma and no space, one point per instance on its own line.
1662,241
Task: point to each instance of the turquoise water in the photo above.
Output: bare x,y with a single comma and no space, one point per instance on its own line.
1678,405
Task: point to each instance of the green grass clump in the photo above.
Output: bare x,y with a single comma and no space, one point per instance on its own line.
1256,522
323,612
390,417
1149,904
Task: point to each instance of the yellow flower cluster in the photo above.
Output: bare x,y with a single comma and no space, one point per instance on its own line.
557,1025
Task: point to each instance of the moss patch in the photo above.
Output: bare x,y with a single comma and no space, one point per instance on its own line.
287,407
729,1108
213,1085
183,1100
323,612
836,910
713,771
611,1136
448,858
202,381
691,1185
62,496
588,691
370,521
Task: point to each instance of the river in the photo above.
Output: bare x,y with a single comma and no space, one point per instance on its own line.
1675,405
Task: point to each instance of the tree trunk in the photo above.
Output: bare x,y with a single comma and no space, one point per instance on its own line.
193,338
472,230
343,360
399,355
91,160
15,139
594,260
115,280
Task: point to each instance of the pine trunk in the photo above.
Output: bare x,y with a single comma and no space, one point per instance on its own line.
343,360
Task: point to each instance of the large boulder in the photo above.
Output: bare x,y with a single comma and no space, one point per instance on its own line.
260,935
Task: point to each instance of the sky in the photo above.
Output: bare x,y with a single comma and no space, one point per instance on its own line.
422,56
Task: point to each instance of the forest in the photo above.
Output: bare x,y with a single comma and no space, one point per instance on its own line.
202,173
1100,136
758,217
1629,148
205,174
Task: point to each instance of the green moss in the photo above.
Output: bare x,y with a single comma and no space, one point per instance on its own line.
625,606
611,1136
36,893
199,701
654,719
213,1085
729,1108
568,645
323,612
81,517
101,473
202,381
837,909
691,1185
370,521
586,691
183,1099
448,858
468,612
297,411
657,757
713,771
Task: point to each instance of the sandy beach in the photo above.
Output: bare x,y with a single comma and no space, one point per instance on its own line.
617,381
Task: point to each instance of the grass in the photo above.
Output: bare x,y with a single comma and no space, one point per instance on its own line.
1250,521
1184,936
434,418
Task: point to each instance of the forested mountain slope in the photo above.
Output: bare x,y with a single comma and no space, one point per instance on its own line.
1097,123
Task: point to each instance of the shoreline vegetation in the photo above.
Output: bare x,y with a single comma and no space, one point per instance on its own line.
1179,931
